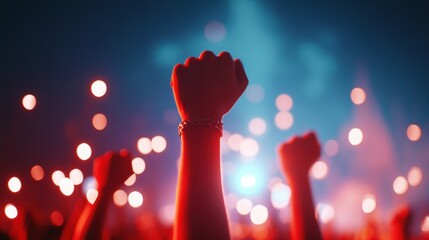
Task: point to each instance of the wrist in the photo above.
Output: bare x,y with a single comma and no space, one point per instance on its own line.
297,179
201,124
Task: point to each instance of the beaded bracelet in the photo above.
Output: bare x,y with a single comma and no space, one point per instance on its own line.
201,121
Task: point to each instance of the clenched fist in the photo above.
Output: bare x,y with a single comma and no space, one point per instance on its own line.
112,169
207,86
297,155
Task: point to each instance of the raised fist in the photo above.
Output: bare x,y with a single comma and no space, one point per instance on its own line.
207,86
112,169
298,154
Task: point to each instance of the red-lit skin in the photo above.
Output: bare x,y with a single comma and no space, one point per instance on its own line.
297,156
208,87
110,171
400,223
25,225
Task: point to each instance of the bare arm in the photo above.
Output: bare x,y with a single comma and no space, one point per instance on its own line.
205,87
110,171
297,155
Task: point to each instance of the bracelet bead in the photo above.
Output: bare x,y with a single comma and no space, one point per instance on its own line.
200,121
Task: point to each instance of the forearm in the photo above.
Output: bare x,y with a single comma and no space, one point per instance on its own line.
304,223
91,222
200,210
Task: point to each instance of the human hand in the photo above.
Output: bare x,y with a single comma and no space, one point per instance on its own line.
207,86
112,169
298,154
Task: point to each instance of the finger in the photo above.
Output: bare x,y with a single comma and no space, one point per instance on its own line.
242,80
178,70
190,61
311,136
226,56
226,62
207,55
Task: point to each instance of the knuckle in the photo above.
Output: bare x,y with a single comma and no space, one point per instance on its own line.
206,53
178,68
190,60
224,54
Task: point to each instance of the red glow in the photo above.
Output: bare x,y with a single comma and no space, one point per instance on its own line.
358,96
414,132
37,172
99,121
57,218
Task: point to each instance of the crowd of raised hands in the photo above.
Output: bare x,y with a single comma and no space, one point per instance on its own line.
205,89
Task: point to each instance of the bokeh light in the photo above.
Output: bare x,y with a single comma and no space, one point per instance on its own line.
319,170
76,176
10,211
249,147
99,121
57,176
368,203
255,93
284,120
425,224
259,214
14,184
120,198
325,212
280,195
135,199
29,102
166,214
400,185
284,102
91,195
331,147
415,176
214,31
244,206
144,145
414,132
131,180
234,141
89,183
358,96
57,218
83,151
138,165
98,88
355,136
37,172
248,181
66,186
290,91
257,126
158,144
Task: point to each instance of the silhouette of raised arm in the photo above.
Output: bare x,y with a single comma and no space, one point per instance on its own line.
400,223
204,89
297,155
110,171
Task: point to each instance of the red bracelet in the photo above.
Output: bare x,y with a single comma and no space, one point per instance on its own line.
201,121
